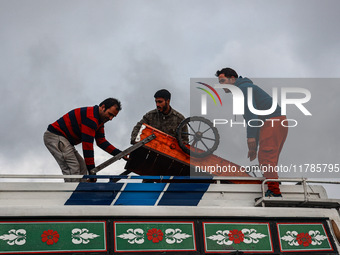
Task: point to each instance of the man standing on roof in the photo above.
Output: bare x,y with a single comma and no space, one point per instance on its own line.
81,125
164,118
270,137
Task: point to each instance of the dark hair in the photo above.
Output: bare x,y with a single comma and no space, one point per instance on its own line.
228,72
163,93
109,102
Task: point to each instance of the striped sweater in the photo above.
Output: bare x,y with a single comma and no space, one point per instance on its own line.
83,125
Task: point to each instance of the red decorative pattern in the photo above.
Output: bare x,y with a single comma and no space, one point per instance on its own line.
304,238
154,234
50,237
236,236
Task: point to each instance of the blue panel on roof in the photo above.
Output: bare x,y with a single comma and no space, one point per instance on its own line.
182,195
140,194
94,194
197,187
88,186
145,187
151,177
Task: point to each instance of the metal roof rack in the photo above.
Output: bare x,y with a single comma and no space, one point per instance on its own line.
305,201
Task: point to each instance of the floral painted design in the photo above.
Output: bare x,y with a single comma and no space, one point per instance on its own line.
50,237
304,238
175,235
228,237
133,236
15,237
172,236
236,236
82,236
154,234
294,238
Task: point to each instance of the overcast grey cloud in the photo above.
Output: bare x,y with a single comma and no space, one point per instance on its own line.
59,55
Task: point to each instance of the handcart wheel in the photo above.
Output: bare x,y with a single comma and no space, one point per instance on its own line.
203,137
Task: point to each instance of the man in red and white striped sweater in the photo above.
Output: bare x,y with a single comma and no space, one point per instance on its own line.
81,125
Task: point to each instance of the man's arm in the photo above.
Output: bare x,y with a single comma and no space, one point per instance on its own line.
185,137
104,144
252,131
136,128
252,148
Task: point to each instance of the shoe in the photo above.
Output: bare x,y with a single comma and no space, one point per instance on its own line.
270,193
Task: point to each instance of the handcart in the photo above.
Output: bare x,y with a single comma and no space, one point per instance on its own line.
156,153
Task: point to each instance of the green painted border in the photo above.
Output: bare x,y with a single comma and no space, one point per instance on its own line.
304,228
132,236
212,237
69,236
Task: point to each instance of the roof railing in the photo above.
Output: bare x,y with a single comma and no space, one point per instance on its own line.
304,182
141,177
279,201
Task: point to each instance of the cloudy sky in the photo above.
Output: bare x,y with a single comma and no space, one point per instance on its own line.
59,55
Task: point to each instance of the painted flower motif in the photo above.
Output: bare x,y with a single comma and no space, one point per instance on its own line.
236,236
304,238
156,235
50,237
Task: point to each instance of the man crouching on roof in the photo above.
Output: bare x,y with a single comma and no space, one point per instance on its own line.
81,125
163,118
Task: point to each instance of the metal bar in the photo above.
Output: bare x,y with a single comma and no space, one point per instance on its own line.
12,176
305,190
304,183
300,180
294,180
224,178
262,187
122,154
